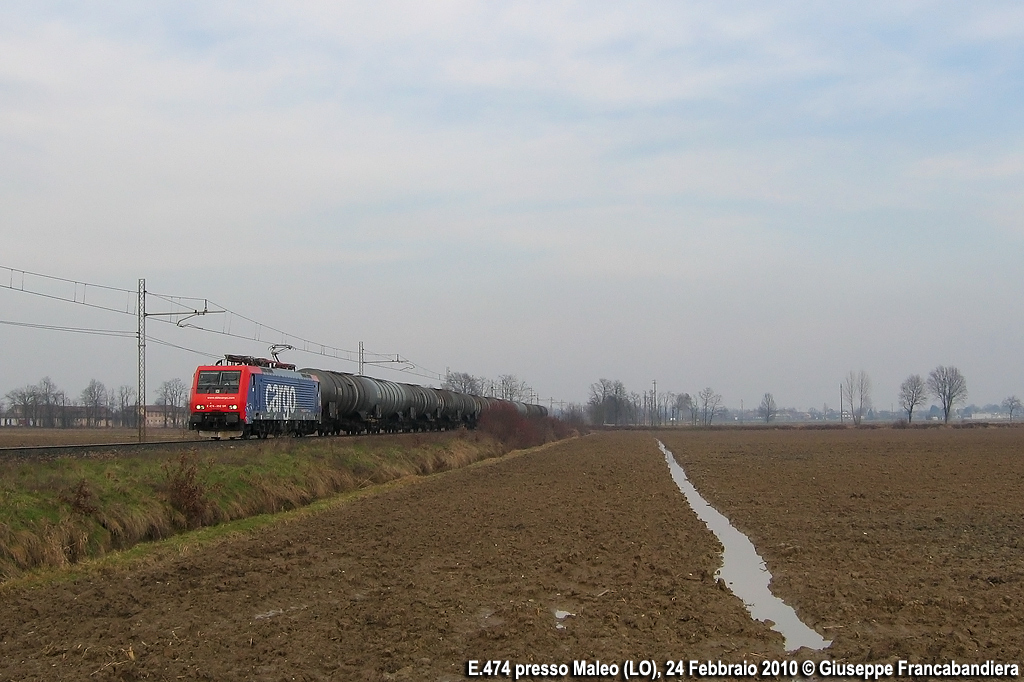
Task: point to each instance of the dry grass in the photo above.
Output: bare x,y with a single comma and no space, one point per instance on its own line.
60,512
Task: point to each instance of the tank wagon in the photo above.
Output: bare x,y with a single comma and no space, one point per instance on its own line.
243,396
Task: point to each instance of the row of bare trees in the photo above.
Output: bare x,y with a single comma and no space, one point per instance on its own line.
172,398
506,386
45,405
612,404
42,404
945,384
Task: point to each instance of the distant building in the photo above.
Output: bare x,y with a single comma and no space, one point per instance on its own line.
988,417
59,416
166,416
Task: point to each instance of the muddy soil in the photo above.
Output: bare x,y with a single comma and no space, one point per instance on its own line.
410,583
894,543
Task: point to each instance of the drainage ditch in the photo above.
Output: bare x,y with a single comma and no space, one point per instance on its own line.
743,569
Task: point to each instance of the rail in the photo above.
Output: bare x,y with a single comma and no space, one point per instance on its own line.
26,452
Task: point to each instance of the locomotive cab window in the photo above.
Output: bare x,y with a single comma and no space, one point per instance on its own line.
218,382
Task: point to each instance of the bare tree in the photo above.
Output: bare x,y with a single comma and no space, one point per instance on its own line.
694,406
178,393
631,407
94,399
949,386
47,391
126,405
912,393
665,406
684,404
710,403
597,405
601,389
22,400
511,388
573,414
38,404
864,390
171,396
626,405
767,409
599,392
857,392
63,415
463,382
610,403
1011,405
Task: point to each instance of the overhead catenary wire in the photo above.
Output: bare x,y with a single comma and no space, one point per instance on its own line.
78,293
122,333
78,330
186,307
268,334
161,342
16,271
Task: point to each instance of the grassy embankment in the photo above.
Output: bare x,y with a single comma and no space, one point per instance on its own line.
54,513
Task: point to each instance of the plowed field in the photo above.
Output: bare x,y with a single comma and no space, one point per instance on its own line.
894,543
889,542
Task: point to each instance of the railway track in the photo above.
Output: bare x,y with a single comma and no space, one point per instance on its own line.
47,452
107,450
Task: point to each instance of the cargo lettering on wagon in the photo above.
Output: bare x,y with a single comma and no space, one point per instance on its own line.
284,399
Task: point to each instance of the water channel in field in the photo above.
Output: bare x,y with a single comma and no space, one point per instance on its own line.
743,569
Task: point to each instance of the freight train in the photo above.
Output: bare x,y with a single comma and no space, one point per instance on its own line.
243,396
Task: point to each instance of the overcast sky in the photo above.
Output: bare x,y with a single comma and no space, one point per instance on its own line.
753,197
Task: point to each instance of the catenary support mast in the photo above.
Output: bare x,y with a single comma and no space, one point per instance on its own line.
141,399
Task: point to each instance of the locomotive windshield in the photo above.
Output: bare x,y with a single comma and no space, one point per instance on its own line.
211,381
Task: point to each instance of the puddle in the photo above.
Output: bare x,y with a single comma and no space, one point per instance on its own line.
269,614
562,615
277,612
743,570
487,619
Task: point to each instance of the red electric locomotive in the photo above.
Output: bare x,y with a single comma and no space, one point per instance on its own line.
243,396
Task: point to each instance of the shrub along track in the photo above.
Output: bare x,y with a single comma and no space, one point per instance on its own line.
410,582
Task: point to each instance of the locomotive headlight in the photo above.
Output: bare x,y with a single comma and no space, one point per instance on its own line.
200,407
234,407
